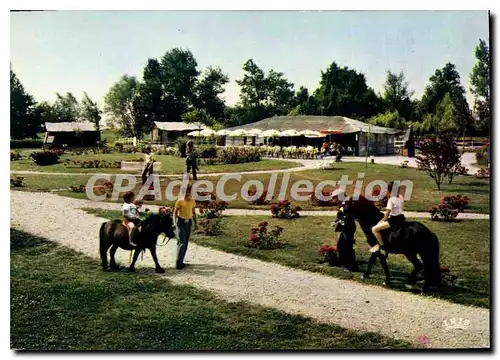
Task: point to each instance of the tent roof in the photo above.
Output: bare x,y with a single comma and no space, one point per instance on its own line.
305,122
179,126
69,126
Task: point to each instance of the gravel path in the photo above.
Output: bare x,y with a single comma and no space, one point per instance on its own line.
235,278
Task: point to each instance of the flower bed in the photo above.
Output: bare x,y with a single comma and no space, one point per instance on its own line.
483,173
264,239
285,210
330,254
17,182
262,198
94,164
333,200
209,220
449,208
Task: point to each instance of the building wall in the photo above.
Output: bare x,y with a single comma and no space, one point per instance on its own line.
378,144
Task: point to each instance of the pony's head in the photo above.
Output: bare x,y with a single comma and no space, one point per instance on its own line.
161,222
358,208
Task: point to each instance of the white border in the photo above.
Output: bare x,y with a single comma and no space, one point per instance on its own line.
212,5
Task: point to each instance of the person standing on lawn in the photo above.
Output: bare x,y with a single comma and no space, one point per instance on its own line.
191,159
185,220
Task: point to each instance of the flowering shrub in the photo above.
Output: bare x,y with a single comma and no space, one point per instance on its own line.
285,210
456,202
209,221
47,157
330,254
14,155
333,200
236,155
17,182
482,156
404,163
78,189
458,169
483,173
262,198
96,164
443,213
264,239
447,277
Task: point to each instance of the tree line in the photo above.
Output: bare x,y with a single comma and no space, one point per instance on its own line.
173,88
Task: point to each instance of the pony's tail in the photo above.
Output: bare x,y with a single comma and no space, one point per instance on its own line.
103,245
432,267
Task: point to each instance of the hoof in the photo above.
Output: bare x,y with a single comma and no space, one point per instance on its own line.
160,270
410,287
386,283
364,277
131,269
106,268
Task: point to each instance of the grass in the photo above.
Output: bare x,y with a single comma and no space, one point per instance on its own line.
424,193
465,248
169,164
63,301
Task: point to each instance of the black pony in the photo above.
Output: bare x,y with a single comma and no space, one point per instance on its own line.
114,234
414,239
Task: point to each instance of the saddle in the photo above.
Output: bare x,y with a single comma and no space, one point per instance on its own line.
397,233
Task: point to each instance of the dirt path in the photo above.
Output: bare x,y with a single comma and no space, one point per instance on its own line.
236,278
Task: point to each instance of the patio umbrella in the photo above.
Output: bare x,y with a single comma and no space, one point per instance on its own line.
195,133
311,133
254,132
223,132
207,132
270,133
290,133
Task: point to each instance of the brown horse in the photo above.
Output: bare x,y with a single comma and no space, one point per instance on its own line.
113,234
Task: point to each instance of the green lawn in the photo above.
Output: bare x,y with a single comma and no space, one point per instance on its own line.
465,248
424,193
169,164
61,300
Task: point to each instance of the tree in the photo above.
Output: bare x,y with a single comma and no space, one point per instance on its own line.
152,93
445,115
90,111
447,81
344,92
253,89
480,81
179,79
388,119
439,156
397,96
208,91
280,93
66,108
122,102
23,121
198,116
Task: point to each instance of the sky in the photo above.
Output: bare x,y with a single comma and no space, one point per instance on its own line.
77,51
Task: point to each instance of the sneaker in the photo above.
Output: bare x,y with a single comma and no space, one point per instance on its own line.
375,248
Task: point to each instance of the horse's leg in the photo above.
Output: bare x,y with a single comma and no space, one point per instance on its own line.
112,253
371,262
417,265
131,267
104,245
158,268
383,262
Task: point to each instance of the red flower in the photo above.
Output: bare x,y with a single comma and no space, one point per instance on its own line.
255,230
254,237
262,229
263,223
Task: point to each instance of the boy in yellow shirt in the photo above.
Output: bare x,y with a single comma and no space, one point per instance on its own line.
185,217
